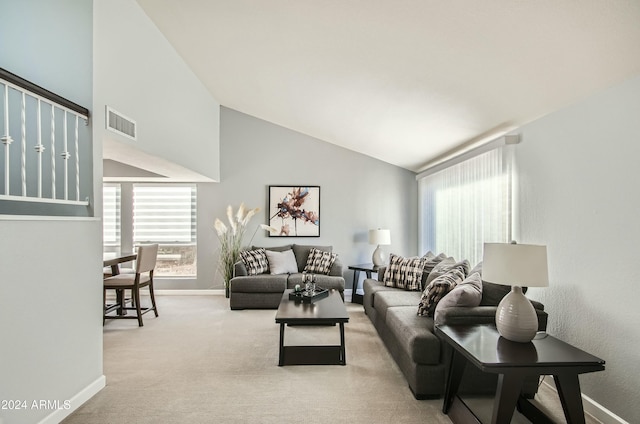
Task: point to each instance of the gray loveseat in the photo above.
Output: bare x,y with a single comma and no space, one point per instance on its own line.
419,353
264,291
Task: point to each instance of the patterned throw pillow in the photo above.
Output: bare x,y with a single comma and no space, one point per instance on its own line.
404,273
320,261
437,289
255,261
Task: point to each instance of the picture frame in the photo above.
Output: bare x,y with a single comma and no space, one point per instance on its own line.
294,210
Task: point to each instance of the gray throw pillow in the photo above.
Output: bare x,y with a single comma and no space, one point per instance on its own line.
282,262
468,293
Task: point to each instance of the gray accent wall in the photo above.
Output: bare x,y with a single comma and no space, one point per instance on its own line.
358,193
50,282
579,193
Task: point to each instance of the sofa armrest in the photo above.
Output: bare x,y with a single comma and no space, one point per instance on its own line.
460,315
239,270
336,268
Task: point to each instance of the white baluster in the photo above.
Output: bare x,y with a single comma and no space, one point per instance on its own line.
77,163
65,156
6,140
53,152
23,116
39,148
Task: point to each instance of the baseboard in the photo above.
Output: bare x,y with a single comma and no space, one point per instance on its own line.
76,402
195,292
595,410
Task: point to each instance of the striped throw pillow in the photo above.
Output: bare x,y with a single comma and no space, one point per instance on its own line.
319,261
437,289
255,261
404,273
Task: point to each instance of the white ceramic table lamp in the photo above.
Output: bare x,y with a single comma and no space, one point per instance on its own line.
516,265
379,237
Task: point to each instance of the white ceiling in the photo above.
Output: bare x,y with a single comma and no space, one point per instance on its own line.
404,81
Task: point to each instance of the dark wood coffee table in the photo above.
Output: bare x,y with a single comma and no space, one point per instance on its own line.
483,347
328,311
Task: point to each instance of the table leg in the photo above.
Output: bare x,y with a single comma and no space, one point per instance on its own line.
569,392
507,394
343,353
456,369
354,285
281,354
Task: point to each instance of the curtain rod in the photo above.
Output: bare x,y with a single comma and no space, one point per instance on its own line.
461,156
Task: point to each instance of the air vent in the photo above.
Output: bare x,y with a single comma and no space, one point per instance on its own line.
120,124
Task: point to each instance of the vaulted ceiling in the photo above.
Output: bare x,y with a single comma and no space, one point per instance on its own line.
404,81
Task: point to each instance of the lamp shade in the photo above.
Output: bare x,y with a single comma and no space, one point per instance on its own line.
523,265
380,237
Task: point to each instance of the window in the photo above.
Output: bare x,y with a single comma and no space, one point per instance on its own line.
467,204
166,214
111,215
136,214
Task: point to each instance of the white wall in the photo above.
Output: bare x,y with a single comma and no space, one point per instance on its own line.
580,195
357,193
139,74
50,285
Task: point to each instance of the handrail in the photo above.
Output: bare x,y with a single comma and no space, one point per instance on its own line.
43,92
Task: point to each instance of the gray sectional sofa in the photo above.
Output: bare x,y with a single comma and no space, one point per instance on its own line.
264,291
419,353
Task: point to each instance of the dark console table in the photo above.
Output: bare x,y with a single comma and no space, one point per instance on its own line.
368,269
484,348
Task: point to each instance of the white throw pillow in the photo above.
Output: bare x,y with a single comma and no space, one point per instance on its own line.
282,262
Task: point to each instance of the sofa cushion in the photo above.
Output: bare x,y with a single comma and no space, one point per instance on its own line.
437,289
388,299
468,294
319,261
404,273
282,262
414,334
302,253
324,281
371,287
255,261
264,283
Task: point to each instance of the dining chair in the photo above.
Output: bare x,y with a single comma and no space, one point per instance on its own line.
143,277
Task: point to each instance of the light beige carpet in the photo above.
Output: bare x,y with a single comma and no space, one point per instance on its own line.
200,362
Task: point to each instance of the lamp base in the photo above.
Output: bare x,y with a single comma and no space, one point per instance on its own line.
378,257
516,319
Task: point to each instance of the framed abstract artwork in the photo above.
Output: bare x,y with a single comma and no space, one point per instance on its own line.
294,211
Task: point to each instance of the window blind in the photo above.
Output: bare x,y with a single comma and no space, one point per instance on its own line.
164,214
468,204
111,215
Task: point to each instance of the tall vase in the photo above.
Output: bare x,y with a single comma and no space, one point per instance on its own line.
226,290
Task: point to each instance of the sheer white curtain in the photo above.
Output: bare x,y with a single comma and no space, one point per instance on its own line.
468,204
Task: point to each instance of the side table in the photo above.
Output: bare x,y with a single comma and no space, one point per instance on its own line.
368,269
484,348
